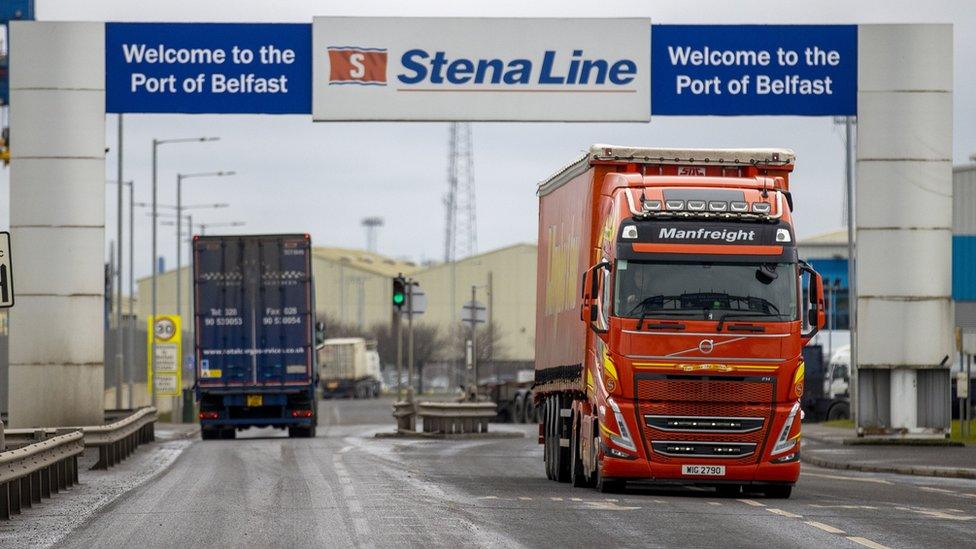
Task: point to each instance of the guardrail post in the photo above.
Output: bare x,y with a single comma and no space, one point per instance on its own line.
74,468
63,474
45,482
13,488
4,502
25,492
35,486
53,475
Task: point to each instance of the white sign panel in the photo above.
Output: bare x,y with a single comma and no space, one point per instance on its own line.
481,69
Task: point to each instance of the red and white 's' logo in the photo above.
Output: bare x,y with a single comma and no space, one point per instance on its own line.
354,65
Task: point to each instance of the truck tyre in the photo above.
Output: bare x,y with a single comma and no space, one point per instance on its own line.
840,410
728,490
547,437
778,491
518,415
607,485
561,463
529,409
577,474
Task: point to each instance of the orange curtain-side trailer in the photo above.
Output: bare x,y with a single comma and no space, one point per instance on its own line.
567,248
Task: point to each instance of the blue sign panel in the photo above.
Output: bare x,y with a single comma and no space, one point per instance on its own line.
208,68
733,70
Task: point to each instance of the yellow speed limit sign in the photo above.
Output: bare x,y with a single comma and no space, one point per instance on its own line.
164,347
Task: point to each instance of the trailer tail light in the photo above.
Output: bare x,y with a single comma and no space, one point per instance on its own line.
209,415
301,413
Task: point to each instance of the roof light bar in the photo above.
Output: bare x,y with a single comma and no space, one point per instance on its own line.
718,206
675,204
761,207
738,206
696,205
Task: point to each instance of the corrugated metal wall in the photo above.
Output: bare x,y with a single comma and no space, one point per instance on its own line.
964,244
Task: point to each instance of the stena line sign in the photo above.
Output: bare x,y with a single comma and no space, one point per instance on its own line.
471,69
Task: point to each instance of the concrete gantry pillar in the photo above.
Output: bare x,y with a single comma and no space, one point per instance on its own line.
57,219
904,229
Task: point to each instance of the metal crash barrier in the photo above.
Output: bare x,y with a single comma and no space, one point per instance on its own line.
455,418
38,470
115,441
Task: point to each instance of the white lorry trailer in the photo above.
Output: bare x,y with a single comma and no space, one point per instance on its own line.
349,367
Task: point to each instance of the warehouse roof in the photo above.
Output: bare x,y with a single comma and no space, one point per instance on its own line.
366,261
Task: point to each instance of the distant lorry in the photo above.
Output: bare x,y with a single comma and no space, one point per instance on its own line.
826,394
254,321
671,313
516,403
349,368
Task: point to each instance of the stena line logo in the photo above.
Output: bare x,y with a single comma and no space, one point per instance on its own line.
548,68
355,65
424,70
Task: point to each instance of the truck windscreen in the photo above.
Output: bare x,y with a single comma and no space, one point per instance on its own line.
766,291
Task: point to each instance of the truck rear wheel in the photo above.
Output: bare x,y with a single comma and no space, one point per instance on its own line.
841,410
560,453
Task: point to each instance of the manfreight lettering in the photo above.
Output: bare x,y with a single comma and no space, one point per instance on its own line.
723,235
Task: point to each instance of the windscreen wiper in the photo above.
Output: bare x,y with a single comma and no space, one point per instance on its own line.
661,312
721,319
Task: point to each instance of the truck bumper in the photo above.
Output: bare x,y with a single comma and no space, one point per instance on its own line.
257,409
670,473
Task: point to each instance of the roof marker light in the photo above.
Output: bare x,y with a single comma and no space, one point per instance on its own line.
738,206
675,204
718,206
696,205
761,207
652,205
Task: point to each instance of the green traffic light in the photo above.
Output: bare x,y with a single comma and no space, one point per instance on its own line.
398,299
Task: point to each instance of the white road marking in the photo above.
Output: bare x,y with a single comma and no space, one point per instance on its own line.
751,502
523,498
488,497
939,490
783,513
825,527
842,506
867,543
345,449
714,503
556,499
607,506
841,477
575,499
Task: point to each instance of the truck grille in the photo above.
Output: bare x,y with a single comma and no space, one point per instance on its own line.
724,450
725,417
697,424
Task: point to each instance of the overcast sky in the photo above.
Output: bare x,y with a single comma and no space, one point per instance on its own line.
323,178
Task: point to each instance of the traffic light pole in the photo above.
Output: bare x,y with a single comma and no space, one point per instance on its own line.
399,353
410,389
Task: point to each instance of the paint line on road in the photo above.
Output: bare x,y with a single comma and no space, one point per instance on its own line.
488,497
783,513
714,503
523,498
752,502
575,499
556,499
867,543
939,490
871,507
842,477
345,449
825,527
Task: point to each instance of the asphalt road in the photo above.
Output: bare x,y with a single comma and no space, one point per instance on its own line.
347,488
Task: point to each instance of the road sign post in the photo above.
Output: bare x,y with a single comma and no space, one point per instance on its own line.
165,370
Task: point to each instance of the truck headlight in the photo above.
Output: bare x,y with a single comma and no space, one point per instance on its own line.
784,442
621,437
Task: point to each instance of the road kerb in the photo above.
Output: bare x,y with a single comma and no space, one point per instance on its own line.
916,470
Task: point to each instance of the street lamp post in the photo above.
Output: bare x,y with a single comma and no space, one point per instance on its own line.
179,229
155,147
123,356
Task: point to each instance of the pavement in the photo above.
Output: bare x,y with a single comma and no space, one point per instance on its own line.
825,446
347,488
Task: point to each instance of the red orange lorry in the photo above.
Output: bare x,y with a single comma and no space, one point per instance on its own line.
671,313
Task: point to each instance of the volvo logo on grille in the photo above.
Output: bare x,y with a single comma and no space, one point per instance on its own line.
706,346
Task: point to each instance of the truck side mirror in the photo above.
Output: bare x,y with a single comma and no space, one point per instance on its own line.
816,315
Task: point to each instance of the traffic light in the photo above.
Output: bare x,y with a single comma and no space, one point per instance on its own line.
399,292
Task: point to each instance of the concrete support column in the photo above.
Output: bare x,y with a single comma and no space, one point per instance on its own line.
57,218
904,228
